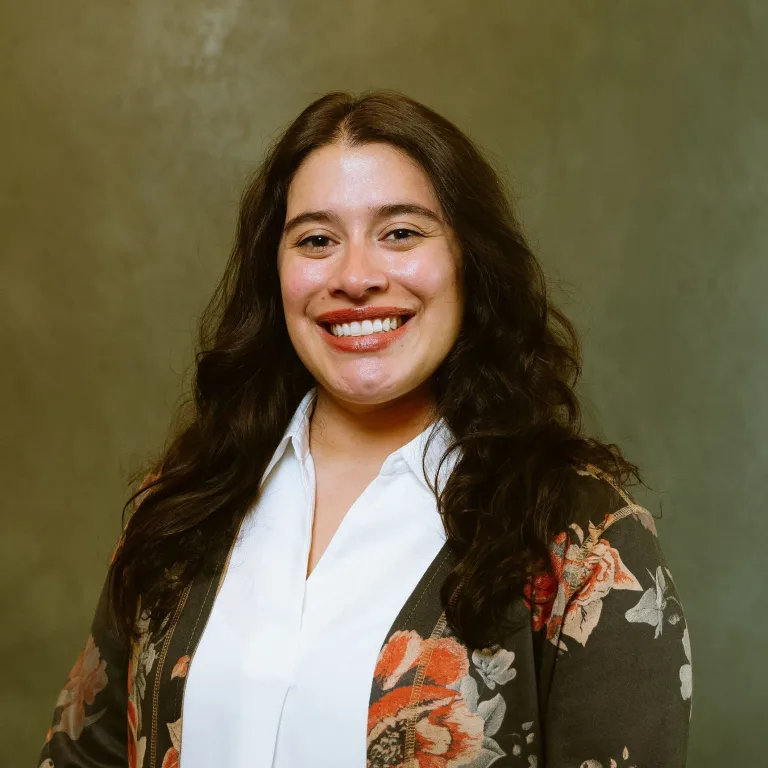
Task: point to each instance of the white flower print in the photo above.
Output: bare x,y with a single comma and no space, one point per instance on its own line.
653,603
494,666
492,712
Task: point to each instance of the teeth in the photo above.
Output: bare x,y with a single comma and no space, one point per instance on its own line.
367,327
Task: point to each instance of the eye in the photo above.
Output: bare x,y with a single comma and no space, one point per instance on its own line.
315,241
408,234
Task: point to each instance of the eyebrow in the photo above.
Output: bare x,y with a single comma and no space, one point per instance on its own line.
379,212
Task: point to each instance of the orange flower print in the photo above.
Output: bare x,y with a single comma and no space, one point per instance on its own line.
180,667
539,593
447,732
171,759
584,581
86,680
136,746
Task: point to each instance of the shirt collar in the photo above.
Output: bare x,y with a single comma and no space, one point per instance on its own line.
296,433
413,451
407,457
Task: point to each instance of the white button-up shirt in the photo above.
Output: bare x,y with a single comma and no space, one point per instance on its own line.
282,675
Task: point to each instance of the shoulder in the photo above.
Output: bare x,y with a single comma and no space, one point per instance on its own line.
616,649
609,546
600,502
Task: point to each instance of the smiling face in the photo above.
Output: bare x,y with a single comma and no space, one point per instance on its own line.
365,231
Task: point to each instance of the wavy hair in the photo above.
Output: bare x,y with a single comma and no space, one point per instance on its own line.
506,388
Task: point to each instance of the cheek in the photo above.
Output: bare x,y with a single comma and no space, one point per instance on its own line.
433,280
299,282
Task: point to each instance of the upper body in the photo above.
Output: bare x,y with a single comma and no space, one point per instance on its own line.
537,699
284,652
295,587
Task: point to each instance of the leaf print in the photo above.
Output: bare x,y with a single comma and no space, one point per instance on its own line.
583,620
174,731
650,609
86,680
490,752
136,746
492,711
181,667
646,520
686,671
647,610
494,666
467,688
171,759
142,660
612,764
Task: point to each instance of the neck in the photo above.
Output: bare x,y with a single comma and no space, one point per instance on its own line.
363,434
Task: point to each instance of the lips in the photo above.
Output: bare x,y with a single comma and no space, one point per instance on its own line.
365,343
362,313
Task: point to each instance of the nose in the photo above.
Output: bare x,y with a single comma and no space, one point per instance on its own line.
358,270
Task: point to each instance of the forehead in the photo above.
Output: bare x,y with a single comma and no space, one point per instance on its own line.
356,178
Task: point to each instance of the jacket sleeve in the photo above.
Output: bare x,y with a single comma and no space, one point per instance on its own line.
620,692
89,725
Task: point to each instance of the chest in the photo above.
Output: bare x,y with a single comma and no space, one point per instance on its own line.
425,695
336,490
349,662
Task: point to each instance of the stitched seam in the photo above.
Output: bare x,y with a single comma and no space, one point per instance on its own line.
614,517
158,673
191,635
421,672
424,590
599,474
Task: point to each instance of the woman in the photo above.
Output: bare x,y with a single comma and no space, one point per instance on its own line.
381,538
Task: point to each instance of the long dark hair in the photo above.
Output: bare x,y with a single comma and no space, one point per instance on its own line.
506,389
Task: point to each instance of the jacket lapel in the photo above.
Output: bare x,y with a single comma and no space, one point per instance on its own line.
171,654
399,681
405,686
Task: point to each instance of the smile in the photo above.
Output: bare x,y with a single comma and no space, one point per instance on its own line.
365,336
367,327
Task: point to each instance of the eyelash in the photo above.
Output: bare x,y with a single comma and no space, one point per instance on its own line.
325,237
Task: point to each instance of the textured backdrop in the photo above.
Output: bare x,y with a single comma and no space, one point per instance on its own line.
635,137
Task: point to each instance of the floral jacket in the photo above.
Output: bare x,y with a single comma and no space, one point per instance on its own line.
600,675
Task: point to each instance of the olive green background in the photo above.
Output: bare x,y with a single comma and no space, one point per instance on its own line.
635,137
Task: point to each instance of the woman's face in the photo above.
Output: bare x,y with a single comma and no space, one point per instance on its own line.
365,236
